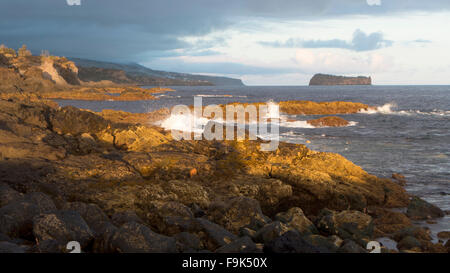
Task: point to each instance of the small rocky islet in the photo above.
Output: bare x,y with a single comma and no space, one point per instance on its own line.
115,183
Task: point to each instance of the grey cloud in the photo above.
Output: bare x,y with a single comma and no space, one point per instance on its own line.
360,42
133,29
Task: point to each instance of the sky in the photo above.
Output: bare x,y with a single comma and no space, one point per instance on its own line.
263,42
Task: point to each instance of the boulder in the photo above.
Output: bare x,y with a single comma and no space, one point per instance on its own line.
102,242
444,235
294,218
212,235
121,218
43,202
136,238
419,233
237,212
63,227
7,247
91,213
188,242
8,195
419,209
16,219
291,242
389,222
241,245
270,232
328,245
346,224
350,246
409,243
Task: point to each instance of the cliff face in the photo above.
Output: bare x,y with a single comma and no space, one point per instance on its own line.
322,79
90,70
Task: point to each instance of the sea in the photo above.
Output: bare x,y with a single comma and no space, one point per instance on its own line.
407,133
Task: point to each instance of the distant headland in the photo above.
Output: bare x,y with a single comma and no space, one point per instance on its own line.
323,79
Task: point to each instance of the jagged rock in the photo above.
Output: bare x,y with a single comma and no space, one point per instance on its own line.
136,238
419,209
323,243
8,195
408,243
419,233
444,235
350,246
44,203
291,242
188,242
241,245
63,227
213,235
52,246
16,218
247,232
236,212
270,232
346,224
91,213
328,122
70,120
168,218
121,218
294,218
388,221
7,247
102,242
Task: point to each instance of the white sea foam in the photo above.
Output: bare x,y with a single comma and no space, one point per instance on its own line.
388,109
219,96
385,109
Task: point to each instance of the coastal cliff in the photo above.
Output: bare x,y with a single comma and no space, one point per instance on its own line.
323,79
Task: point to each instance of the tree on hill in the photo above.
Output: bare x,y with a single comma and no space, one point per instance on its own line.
24,52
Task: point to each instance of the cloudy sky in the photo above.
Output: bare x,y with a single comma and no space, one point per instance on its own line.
264,42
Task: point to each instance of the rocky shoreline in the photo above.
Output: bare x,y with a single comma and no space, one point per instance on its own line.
120,185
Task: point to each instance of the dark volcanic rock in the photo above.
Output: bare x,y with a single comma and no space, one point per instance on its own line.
63,227
271,231
419,209
213,235
188,242
8,195
295,219
241,245
91,213
7,247
291,242
409,243
16,219
353,225
136,238
350,246
121,218
237,212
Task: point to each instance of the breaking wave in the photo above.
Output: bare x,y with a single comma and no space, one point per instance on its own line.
388,109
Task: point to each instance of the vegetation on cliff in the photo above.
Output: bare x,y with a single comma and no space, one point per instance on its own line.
323,79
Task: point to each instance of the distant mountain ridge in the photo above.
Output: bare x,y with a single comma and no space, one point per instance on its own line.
133,73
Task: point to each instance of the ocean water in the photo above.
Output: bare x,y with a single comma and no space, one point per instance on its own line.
409,133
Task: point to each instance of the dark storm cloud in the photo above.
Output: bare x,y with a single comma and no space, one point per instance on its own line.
360,42
128,30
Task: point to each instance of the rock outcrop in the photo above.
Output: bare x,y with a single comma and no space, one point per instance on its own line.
323,79
68,174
